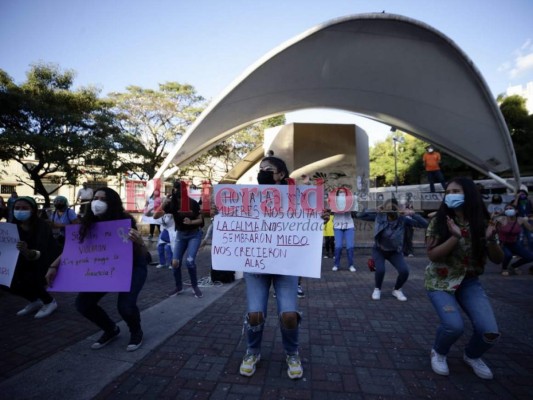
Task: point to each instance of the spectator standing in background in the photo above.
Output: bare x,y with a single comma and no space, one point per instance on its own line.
10,204
432,159
85,195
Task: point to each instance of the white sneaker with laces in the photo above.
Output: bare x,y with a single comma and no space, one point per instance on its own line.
376,294
480,368
335,268
33,306
399,295
47,309
294,364
352,268
248,364
439,364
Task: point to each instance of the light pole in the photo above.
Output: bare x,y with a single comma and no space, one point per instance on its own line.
395,140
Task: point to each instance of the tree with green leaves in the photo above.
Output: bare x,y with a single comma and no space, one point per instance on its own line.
58,134
158,118
409,152
520,125
219,160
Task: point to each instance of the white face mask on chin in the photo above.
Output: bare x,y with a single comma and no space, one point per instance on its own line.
98,207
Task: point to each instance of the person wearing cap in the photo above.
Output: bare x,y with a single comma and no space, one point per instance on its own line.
432,159
61,217
38,249
524,208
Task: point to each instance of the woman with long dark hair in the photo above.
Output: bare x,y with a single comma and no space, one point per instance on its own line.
106,205
38,249
188,222
458,240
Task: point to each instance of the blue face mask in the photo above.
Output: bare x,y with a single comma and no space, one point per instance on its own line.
454,200
510,212
22,215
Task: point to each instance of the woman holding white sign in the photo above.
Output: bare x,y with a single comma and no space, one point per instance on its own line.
107,206
38,249
272,171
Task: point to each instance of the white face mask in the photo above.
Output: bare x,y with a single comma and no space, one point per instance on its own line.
98,207
341,201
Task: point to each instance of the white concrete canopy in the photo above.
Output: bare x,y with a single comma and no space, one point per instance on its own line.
387,67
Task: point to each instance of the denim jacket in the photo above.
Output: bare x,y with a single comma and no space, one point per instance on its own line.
381,223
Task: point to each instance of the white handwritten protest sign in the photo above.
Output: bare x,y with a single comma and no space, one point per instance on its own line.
101,263
9,236
268,229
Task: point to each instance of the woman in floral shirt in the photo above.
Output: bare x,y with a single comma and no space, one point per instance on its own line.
459,239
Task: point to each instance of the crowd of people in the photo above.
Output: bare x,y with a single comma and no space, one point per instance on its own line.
460,237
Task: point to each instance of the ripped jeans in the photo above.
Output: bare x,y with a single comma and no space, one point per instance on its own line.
257,294
186,241
471,297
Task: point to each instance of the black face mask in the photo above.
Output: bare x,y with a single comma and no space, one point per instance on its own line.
393,216
266,178
61,207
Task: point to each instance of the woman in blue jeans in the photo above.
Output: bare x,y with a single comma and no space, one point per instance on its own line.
389,232
459,239
509,228
188,222
272,171
107,206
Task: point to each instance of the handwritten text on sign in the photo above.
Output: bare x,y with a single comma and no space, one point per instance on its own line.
268,229
101,263
9,237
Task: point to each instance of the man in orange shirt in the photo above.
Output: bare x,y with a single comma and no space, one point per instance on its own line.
431,160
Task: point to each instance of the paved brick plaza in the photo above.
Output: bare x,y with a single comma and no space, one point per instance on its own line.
352,347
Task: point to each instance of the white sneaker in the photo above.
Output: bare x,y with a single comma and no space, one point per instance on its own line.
294,364
376,294
439,364
33,306
335,268
399,295
480,368
248,364
47,309
161,266
352,268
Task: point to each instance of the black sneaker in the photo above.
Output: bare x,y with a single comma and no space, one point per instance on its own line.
197,292
106,338
136,340
301,293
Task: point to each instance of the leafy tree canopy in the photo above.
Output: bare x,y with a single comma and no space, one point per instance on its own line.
218,161
520,125
409,162
158,118
58,134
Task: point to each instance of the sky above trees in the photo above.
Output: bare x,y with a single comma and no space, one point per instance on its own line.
209,43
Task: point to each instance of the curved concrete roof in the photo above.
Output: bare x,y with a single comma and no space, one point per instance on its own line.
387,67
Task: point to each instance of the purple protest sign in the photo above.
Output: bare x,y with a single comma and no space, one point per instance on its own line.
102,263
9,253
